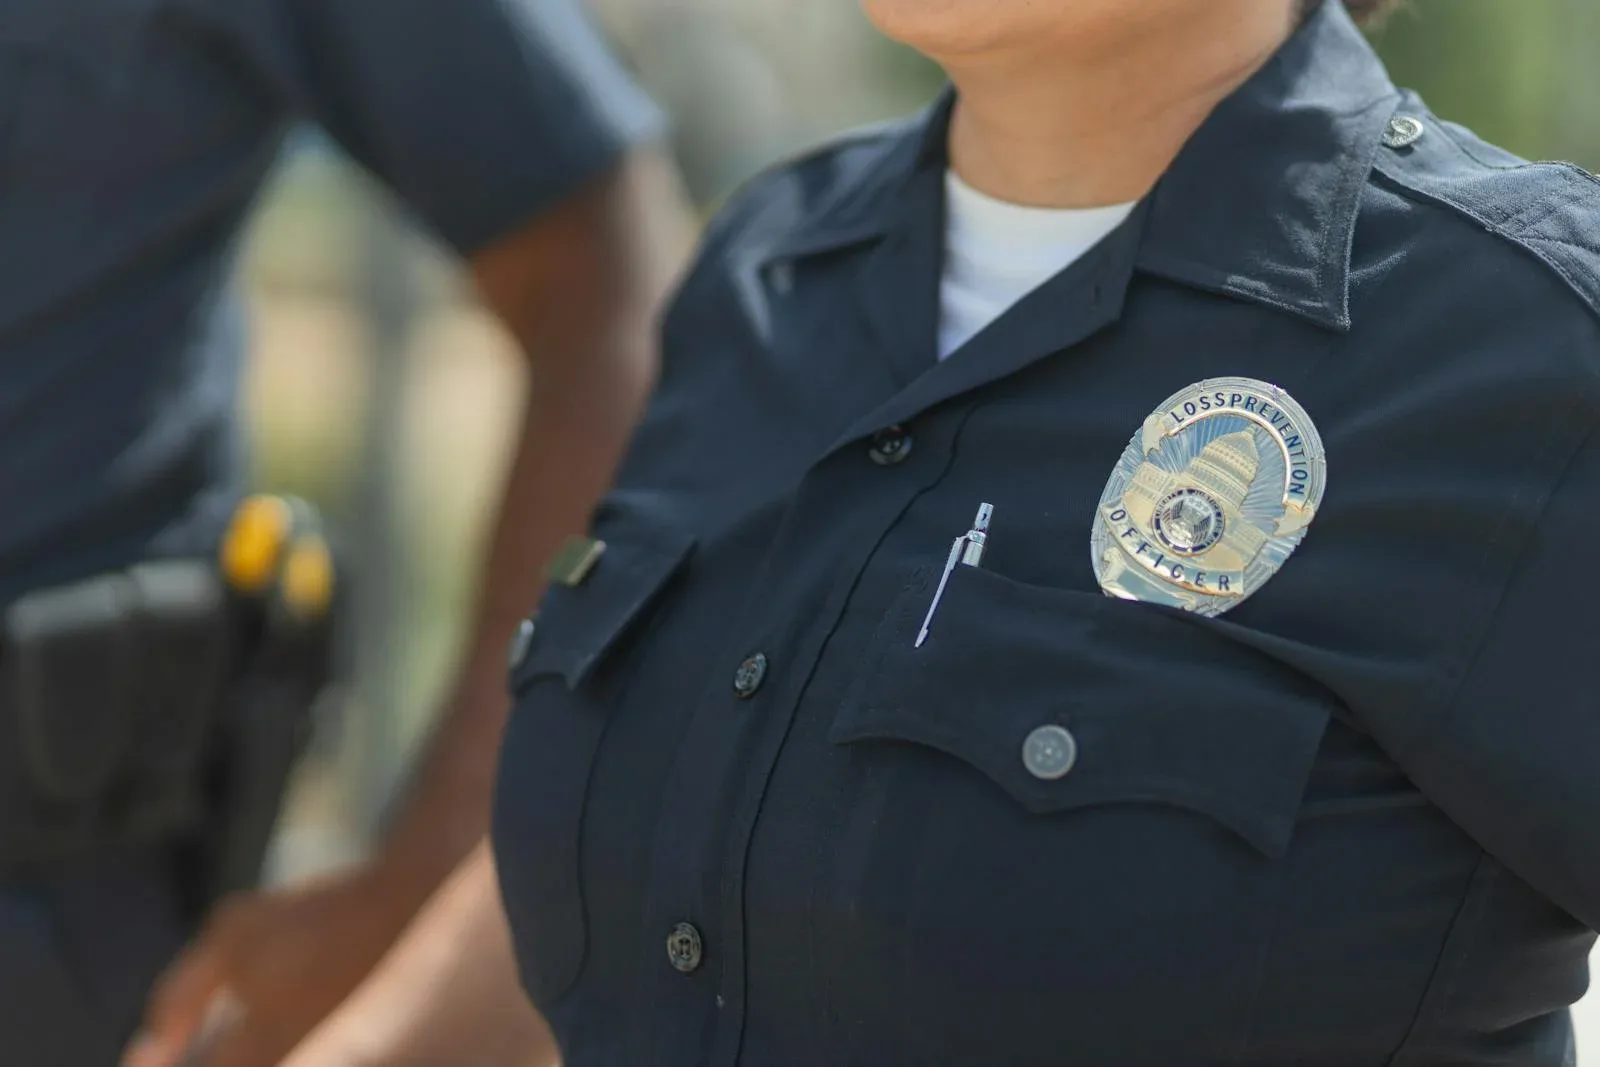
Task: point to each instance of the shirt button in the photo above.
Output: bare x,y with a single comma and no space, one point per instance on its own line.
685,950
890,446
748,678
1403,132
521,641
1049,752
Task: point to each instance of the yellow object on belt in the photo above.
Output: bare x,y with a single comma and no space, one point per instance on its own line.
306,585
274,547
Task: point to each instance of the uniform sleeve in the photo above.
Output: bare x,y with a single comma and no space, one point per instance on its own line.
479,114
1515,760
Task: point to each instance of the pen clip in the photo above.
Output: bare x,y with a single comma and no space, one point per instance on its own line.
949,565
967,550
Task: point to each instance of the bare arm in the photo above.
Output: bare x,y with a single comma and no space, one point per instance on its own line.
448,993
579,289
583,309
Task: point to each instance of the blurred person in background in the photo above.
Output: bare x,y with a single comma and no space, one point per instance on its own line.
138,594
1247,719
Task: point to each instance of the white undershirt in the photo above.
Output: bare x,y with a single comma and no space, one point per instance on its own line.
997,253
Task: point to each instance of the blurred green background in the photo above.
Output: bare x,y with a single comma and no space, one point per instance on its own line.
380,390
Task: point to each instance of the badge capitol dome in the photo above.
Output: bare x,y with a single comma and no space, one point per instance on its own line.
1209,498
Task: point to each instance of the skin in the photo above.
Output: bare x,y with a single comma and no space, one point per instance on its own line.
450,980
1082,104
578,288
1062,104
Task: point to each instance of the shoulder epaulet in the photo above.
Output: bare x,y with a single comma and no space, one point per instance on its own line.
1550,209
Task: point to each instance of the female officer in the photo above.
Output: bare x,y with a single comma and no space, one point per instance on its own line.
1103,581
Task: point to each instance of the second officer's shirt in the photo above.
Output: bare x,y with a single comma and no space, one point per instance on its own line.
135,137
745,818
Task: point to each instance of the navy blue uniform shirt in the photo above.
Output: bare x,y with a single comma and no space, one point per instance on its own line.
134,138
1355,821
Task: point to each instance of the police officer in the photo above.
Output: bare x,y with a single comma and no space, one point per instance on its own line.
134,137
1131,606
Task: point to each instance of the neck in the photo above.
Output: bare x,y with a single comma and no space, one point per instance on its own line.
1101,125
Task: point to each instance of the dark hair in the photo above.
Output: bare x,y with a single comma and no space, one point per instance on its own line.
1365,12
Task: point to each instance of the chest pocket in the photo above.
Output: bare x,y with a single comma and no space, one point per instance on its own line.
573,669
1070,701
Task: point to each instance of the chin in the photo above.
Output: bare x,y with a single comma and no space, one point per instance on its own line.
1059,29
939,28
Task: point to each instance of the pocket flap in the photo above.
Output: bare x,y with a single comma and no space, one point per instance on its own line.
576,625
1068,700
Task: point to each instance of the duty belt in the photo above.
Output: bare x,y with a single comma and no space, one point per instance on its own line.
156,702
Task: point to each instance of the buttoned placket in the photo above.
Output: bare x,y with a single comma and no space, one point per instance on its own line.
732,745
728,752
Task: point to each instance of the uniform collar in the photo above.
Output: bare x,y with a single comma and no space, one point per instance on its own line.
1261,204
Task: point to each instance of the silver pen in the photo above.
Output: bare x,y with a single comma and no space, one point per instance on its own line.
968,551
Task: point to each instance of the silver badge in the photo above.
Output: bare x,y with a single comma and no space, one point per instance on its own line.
1209,498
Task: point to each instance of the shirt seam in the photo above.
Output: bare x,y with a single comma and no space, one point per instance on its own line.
1250,994
1454,949
1434,720
1509,226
